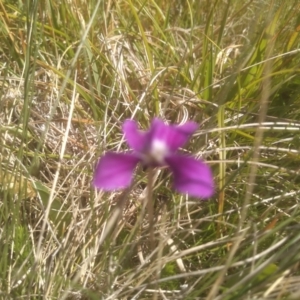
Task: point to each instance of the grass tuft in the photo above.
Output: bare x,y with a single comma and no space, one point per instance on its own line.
72,71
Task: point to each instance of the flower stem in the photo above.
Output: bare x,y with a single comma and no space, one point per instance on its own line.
150,206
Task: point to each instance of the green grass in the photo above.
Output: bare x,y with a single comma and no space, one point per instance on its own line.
72,71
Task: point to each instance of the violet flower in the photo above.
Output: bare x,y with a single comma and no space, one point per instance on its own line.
156,147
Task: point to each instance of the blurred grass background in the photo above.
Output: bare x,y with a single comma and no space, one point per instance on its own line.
72,71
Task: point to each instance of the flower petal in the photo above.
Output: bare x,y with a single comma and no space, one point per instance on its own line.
191,176
115,170
174,136
136,139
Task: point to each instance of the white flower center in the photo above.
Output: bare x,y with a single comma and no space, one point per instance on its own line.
158,151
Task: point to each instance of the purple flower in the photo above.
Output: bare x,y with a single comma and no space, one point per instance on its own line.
156,147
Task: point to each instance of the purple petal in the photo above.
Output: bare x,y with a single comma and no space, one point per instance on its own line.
191,176
174,136
136,139
115,170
